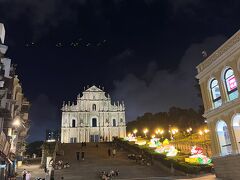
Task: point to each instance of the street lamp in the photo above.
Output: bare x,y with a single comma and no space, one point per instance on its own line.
203,133
172,132
135,132
145,131
189,130
162,132
17,122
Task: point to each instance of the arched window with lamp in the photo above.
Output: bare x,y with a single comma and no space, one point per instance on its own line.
215,93
231,84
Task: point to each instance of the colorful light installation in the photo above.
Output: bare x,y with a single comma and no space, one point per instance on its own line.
197,156
167,149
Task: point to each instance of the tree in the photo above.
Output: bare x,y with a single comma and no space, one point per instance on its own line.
34,148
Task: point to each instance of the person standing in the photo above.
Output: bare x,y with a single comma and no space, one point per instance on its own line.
83,155
28,176
24,174
78,155
109,152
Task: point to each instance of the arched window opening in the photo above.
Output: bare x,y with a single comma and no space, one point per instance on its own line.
236,129
224,138
114,123
94,122
94,107
215,93
73,123
231,84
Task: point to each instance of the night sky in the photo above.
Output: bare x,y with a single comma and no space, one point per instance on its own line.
142,51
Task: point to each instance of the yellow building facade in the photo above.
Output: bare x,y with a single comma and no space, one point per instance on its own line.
219,79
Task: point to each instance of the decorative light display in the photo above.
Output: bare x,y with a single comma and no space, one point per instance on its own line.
154,142
140,142
197,156
130,138
170,150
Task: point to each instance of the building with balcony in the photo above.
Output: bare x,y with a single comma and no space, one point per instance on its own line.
93,118
219,79
14,122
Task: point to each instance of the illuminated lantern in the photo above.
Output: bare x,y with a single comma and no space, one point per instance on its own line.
154,142
140,142
166,142
197,156
172,152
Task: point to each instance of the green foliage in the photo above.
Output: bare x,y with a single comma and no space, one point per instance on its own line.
176,117
49,148
34,148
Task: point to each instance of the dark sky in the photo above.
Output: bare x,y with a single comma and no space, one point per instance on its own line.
142,51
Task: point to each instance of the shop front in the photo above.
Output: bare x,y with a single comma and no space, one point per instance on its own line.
5,162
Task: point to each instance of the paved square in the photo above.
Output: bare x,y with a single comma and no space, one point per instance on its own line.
97,160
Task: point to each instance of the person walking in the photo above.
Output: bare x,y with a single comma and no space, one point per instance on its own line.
114,152
109,152
78,155
83,155
24,174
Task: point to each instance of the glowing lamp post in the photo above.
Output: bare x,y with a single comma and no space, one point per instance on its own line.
173,132
189,131
135,132
16,123
162,132
203,133
145,131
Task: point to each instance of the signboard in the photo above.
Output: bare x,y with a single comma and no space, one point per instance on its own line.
2,33
232,83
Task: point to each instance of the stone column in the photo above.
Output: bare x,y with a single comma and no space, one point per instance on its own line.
215,146
232,137
222,88
206,95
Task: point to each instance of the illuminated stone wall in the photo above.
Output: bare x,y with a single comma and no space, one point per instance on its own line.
222,105
92,117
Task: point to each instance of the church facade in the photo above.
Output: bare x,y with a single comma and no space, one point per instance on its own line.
93,118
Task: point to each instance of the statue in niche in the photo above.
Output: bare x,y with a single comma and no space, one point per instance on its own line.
107,122
81,122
